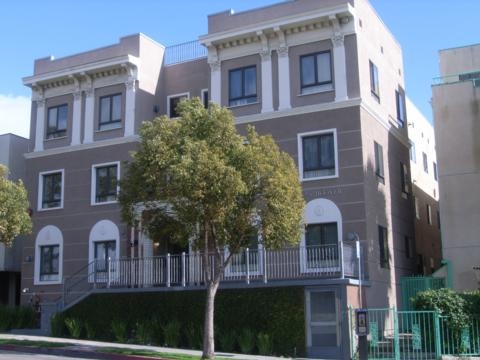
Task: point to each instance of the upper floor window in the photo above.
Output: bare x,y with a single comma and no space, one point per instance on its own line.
374,82
429,214
383,247
417,208
242,86
435,174
57,121
404,178
318,155
105,183
425,162
316,72
50,190
413,153
110,112
172,103
400,101
379,161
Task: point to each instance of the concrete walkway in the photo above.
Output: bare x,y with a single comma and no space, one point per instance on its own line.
91,349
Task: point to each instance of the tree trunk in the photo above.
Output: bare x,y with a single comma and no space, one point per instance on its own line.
208,333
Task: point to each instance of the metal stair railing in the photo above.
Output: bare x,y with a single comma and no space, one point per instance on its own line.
80,284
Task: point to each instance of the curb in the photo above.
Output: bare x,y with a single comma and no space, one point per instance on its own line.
87,354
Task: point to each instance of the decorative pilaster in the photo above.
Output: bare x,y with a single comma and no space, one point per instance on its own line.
339,66
77,117
215,74
89,115
283,72
130,86
267,93
40,124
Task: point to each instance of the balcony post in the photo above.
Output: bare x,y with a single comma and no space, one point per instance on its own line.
94,273
184,282
342,260
247,257
264,254
109,265
168,270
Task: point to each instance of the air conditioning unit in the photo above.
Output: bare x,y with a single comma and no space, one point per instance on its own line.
476,83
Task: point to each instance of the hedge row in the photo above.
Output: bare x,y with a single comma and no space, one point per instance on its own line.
267,320
17,318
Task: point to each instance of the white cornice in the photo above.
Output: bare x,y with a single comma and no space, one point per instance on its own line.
80,147
292,20
79,69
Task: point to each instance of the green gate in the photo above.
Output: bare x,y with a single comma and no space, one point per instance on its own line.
412,335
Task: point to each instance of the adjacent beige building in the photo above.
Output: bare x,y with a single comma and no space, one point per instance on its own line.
456,107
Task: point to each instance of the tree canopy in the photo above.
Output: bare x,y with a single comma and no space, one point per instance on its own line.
14,217
217,187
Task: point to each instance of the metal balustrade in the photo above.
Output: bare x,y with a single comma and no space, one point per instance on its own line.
184,52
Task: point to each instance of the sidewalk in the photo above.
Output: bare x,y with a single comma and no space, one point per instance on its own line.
91,349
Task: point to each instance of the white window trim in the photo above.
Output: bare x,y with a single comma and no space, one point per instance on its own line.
300,136
93,183
104,230
48,235
187,94
40,189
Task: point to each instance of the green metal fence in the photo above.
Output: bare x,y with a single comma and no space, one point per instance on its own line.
411,286
412,335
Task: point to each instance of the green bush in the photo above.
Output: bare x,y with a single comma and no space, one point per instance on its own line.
193,335
119,329
90,331
171,333
227,340
264,344
246,341
57,325
74,327
472,303
22,317
6,318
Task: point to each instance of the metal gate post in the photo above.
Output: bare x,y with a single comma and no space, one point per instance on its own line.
396,338
436,325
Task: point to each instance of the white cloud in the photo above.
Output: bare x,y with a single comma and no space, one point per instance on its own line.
15,115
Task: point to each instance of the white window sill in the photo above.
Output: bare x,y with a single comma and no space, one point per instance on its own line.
243,105
47,282
48,209
319,178
104,203
56,138
110,129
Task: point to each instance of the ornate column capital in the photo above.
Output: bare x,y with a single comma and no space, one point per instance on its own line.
130,84
338,39
40,102
266,54
89,92
215,65
282,51
77,95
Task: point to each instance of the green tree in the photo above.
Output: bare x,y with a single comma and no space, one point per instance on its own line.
14,217
218,188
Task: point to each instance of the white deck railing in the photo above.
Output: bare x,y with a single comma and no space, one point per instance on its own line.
257,265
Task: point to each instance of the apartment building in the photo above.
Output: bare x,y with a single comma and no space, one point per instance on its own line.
427,246
456,95
325,79
12,148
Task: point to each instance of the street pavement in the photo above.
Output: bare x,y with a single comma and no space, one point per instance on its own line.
86,349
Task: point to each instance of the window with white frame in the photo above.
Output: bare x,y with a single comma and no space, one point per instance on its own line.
374,82
103,246
379,171
321,245
57,121
105,182
383,247
48,256
316,72
110,112
173,101
242,86
413,154
404,178
429,214
103,252
205,100
435,173
425,162
400,102
318,155
50,190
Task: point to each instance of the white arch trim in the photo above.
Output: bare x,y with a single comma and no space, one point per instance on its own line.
103,230
48,235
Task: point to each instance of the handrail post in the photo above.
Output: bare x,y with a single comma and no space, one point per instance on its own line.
247,257
94,273
168,270
109,265
342,267
184,281
264,252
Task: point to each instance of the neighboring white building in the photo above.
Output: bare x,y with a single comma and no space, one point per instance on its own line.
456,110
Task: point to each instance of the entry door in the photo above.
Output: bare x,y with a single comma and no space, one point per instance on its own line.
323,329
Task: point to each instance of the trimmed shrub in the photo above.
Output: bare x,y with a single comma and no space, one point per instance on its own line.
193,335
264,344
246,341
171,333
74,327
119,329
227,340
57,325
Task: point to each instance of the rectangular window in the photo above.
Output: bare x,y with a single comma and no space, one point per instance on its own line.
429,214
105,181
205,98
413,154
383,246
321,241
379,162
374,82
438,220
417,208
408,248
51,191
57,121
242,86
49,262
404,178
172,103
110,112
435,174
400,101
425,162
317,155
104,250
316,72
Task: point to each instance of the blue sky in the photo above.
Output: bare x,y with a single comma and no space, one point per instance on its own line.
31,29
